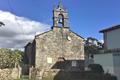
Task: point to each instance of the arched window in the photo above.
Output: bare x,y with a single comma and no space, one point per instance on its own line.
60,20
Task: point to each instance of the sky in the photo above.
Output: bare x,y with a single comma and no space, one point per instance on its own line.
26,18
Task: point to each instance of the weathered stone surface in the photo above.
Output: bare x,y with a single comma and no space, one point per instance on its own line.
59,48
10,74
55,44
52,45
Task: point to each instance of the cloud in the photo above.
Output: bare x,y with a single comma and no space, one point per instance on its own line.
18,31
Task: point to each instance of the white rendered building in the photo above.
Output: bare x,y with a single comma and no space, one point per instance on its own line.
110,59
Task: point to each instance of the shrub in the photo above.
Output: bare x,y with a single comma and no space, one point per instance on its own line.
97,68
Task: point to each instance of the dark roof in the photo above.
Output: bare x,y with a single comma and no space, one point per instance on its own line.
29,43
42,33
110,29
64,64
58,27
77,34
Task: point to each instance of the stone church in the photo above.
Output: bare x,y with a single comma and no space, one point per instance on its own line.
57,49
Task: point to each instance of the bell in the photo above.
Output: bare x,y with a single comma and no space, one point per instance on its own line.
60,20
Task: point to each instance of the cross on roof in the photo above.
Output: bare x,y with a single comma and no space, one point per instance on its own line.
60,4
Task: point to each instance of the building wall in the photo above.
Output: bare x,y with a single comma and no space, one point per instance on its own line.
110,62
29,56
54,44
113,39
106,60
116,60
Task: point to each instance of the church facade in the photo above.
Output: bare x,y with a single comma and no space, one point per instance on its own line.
60,48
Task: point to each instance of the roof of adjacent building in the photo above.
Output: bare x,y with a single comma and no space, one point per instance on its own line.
110,29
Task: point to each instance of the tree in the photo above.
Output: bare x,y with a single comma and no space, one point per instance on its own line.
92,46
92,49
4,57
2,24
17,56
10,58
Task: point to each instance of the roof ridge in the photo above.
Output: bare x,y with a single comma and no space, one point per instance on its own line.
110,28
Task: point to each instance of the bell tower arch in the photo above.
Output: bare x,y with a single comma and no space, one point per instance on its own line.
60,16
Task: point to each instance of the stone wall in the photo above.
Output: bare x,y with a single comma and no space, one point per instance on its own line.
38,74
10,74
54,44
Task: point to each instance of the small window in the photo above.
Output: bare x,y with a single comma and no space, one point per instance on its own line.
74,63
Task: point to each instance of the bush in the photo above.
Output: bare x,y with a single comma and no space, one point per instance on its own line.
9,58
97,68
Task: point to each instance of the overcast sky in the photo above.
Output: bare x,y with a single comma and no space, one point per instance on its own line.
25,18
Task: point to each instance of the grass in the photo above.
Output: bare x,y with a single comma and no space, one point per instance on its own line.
24,77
